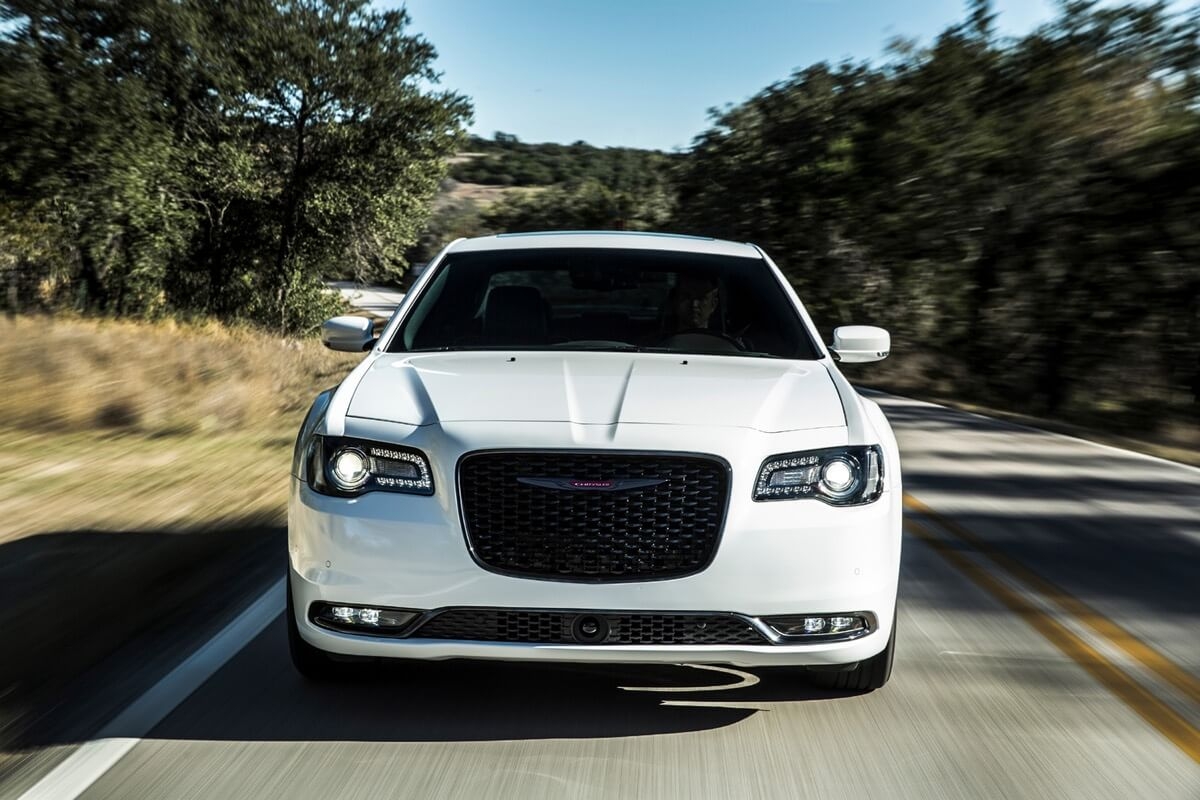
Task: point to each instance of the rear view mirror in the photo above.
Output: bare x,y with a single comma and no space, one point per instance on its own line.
349,334
859,344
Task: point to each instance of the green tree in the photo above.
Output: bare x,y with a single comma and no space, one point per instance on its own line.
589,205
1020,211
86,147
507,161
225,156
356,145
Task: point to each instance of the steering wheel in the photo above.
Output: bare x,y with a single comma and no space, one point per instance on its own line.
707,332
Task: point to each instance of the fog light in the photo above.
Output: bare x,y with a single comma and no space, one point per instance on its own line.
350,618
819,628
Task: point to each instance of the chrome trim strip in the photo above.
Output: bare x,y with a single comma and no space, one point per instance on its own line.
581,485
771,636
816,638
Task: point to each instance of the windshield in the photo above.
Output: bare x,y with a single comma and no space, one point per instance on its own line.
604,299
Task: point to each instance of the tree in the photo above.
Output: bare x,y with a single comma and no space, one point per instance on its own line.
589,205
1023,212
86,148
356,145
222,155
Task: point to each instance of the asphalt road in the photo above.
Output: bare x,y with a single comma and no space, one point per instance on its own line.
1049,611
378,300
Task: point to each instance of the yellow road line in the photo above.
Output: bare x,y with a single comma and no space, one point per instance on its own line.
1147,656
1157,713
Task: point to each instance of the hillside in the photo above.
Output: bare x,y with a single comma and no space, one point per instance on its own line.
506,161
504,184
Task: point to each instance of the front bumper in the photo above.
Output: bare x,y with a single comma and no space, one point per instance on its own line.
774,558
831,653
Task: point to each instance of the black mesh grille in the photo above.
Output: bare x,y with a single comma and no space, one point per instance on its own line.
555,627
661,531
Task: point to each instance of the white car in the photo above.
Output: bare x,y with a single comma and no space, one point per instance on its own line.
598,447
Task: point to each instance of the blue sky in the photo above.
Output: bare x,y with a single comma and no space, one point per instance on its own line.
643,74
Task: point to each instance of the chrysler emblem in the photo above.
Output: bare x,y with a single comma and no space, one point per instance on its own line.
588,485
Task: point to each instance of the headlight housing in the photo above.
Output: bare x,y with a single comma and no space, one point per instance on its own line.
840,476
346,467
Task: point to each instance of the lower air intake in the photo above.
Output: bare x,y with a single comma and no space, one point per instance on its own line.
562,627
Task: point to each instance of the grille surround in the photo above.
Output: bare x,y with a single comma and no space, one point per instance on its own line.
483,552
550,626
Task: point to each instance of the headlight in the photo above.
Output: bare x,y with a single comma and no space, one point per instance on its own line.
841,476
349,468
346,467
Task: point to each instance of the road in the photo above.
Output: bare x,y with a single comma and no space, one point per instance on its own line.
1049,611
378,300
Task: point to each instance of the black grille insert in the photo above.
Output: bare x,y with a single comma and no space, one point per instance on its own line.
665,530
557,627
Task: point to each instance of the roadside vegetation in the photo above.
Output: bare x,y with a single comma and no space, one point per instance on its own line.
504,160
1021,214
212,157
142,466
127,426
505,185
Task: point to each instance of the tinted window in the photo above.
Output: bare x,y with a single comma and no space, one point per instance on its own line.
604,299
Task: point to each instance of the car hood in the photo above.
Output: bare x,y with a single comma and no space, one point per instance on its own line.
598,389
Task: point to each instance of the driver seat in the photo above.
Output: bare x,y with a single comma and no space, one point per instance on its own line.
515,315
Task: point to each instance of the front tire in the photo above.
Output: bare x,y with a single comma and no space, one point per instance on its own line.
865,676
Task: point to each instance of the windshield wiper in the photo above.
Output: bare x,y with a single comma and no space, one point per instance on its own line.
615,347
446,348
594,347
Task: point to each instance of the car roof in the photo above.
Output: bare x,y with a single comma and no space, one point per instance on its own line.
629,240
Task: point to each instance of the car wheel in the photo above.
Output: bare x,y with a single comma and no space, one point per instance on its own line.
311,662
865,676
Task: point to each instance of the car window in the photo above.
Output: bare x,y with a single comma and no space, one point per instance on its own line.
605,299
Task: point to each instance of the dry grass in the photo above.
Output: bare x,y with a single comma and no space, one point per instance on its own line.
131,426
155,379
121,426
482,194
141,465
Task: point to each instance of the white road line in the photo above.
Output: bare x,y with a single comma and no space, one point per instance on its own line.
1031,429
84,767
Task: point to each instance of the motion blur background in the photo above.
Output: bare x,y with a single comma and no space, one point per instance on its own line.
179,180
1019,210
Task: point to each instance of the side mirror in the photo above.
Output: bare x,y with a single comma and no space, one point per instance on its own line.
859,344
350,334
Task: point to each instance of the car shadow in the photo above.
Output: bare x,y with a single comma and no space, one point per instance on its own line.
259,697
90,619
144,600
